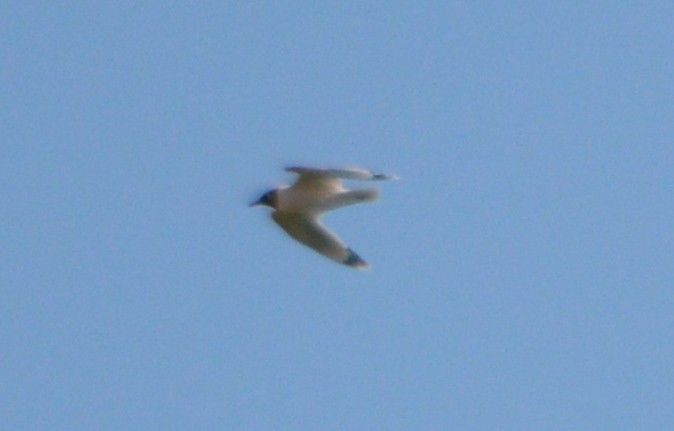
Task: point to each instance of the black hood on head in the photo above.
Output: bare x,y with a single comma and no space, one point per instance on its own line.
268,199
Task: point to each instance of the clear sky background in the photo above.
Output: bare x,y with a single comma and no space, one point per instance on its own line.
523,267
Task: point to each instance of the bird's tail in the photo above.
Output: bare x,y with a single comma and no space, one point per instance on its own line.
351,197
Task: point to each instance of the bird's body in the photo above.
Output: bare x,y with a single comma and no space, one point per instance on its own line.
298,208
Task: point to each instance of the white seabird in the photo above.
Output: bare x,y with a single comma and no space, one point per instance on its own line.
298,208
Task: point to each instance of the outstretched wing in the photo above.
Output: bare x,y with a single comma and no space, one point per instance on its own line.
312,233
347,174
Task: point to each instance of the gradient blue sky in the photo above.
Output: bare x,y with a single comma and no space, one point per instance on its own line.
523,267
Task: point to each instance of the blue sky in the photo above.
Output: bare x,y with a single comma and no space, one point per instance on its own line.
522,267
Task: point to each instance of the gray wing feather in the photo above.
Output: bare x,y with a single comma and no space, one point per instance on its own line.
313,234
347,174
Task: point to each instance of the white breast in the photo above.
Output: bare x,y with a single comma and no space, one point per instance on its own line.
294,199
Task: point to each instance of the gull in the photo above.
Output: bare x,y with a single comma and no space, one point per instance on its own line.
299,208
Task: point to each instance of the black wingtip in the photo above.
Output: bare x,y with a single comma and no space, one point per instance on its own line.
382,177
355,261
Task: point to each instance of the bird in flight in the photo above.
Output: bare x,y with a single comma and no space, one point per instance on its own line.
299,208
